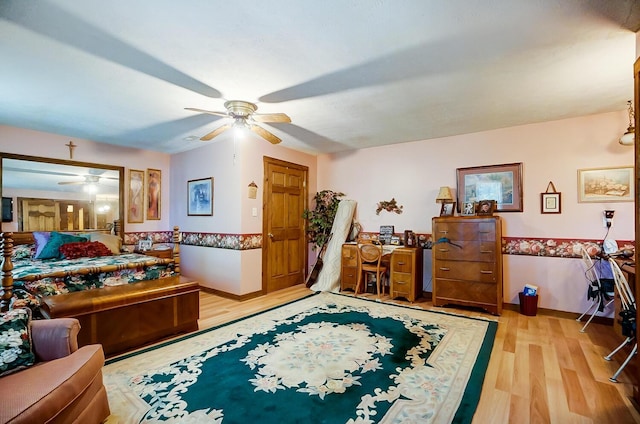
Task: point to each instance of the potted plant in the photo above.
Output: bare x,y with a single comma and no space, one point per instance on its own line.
320,219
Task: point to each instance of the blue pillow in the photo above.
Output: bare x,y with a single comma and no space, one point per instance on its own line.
41,238
52,249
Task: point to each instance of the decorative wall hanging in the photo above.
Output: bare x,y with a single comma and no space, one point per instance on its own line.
136,196
154,192
200,197
502,183
604,185
550,200
389,206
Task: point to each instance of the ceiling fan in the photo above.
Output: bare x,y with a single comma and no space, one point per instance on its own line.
243,115
88,179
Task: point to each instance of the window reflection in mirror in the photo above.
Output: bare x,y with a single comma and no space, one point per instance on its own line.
52,194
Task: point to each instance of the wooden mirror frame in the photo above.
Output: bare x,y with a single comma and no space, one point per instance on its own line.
119,169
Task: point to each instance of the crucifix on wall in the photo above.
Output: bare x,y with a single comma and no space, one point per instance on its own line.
71,146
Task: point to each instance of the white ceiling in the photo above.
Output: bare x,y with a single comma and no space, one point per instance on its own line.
349,73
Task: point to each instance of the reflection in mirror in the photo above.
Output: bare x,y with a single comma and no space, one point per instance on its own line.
52,194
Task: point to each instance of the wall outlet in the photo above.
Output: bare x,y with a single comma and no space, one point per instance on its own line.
608,218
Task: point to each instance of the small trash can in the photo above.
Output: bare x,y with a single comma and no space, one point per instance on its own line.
528,304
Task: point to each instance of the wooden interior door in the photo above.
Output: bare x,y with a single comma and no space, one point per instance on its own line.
38,214
284,246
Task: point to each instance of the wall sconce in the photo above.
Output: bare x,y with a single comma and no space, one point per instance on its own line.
629,137
444,196
253,190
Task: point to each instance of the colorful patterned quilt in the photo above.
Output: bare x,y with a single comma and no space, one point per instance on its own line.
82,274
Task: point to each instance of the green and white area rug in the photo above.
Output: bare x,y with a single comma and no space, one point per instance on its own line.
326,358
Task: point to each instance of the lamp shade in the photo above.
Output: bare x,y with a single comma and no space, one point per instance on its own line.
444,195
629,137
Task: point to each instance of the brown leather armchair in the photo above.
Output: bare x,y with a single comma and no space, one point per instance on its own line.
64,386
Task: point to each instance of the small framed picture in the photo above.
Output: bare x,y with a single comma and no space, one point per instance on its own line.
468,209
447,209
550,203
200,197
144,245
395,240
486,207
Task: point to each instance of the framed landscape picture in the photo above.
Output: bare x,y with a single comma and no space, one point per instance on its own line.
604,185
200,197
501,183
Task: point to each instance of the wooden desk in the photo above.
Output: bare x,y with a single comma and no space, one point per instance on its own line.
405,275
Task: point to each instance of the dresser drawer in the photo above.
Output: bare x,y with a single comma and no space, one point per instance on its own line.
401,283
460,231
466,250
464,292
402,261
350,255
471,271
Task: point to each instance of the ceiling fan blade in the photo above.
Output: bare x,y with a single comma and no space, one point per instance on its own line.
210,112
271,117
271,138
216,132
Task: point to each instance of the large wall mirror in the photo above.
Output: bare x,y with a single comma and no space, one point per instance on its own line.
42,194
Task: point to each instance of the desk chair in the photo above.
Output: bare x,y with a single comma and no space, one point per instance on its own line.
627,314
598,292
369,263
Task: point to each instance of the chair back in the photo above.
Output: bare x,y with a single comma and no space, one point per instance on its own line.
370,253
627,299
590,269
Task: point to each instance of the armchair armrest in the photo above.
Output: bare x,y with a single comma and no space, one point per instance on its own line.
54,338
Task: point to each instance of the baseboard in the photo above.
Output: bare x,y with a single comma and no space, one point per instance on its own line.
232,296
560,314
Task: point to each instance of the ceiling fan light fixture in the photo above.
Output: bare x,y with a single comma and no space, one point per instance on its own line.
628,138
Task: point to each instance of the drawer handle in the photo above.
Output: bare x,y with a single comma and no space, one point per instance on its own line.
486,272
444,231
486,251
443,250
400,263
445,269
484,232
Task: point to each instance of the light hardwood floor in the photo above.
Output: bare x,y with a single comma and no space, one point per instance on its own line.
542,369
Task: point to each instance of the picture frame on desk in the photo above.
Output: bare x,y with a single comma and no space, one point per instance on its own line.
486,207
447,209
468,209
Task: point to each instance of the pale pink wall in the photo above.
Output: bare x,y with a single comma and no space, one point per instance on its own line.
549,151
233,163
36,143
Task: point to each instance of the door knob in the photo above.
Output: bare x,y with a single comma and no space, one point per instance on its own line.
270,235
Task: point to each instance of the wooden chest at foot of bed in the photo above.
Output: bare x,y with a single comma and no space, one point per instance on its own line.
129,316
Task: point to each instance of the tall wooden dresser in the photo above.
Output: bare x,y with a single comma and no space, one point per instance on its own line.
467,262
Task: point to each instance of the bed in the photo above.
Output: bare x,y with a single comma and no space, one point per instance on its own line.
122,299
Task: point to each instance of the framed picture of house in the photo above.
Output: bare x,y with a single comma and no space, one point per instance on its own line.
135,213
200,197
604,185
501,183
154,191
